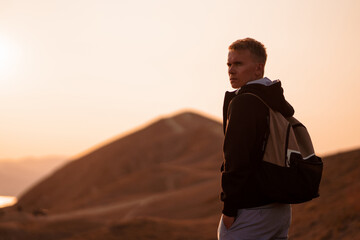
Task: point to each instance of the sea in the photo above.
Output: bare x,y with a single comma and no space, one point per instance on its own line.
6,201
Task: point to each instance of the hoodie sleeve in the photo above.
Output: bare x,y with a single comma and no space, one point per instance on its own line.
241,140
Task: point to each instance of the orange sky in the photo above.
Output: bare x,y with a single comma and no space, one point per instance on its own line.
76,73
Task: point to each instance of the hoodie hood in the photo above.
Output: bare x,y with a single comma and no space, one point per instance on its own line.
273,95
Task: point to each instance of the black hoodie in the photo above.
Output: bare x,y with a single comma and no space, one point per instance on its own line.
245,127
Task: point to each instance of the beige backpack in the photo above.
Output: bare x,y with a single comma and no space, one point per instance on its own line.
290,171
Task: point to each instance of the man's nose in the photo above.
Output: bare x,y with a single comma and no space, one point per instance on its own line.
231,70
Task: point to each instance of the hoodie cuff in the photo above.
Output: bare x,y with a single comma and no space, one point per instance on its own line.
229,210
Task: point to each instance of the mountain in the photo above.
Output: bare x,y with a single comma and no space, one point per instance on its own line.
170,155
162,182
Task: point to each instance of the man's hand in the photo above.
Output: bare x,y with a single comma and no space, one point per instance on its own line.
228,221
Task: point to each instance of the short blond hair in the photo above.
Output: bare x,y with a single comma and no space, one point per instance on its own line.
256,48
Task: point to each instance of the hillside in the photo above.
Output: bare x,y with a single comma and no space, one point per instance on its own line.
170,154
162,182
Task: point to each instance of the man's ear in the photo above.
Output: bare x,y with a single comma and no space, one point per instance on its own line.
259,70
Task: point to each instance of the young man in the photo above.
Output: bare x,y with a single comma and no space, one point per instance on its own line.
247,212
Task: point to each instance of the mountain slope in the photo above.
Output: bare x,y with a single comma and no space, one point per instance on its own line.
170,154
162,182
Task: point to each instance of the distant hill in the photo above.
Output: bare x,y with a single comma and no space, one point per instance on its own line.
170,155
162,182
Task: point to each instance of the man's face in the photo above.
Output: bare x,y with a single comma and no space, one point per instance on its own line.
243,68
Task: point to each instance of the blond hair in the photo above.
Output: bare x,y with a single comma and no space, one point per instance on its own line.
256,48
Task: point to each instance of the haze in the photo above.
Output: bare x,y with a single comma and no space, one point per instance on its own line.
76,73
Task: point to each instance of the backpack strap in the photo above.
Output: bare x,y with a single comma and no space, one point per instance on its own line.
277,137
267,132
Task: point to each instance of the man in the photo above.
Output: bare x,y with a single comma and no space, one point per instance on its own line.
247,212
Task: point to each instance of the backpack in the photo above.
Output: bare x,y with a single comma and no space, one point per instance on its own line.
290,172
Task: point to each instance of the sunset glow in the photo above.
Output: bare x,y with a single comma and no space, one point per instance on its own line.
8,57
7,201
77,73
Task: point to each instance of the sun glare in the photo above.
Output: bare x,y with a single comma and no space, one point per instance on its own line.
7,201
8,56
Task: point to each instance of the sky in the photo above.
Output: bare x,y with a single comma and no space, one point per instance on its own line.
77,73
